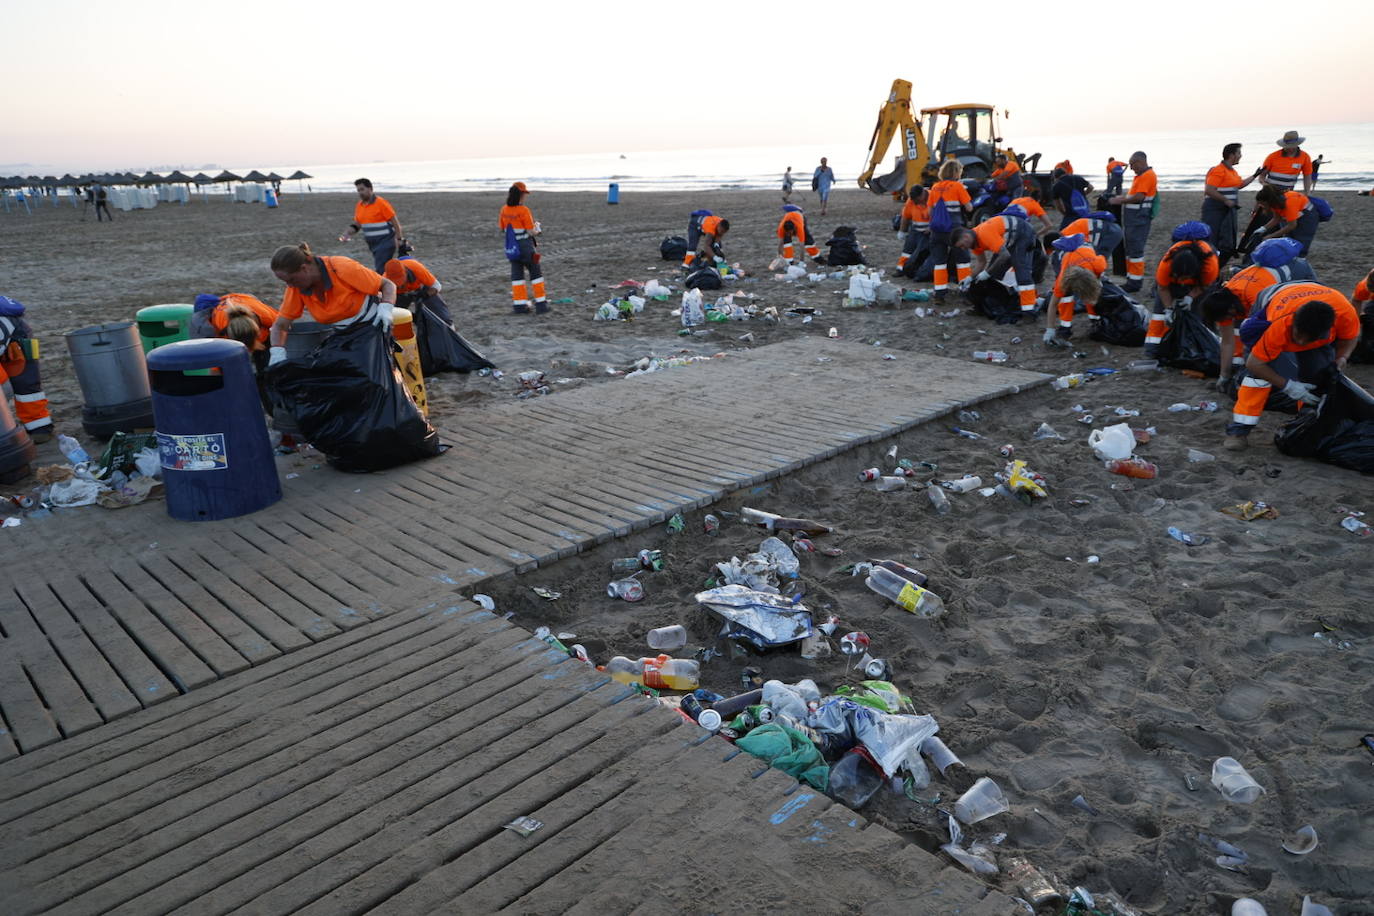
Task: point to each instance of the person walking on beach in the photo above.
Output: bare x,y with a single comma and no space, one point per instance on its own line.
19,366
1221,196
336,291
1137,216
377,220
949,205
821,181
102,203
787,185
1297,332
522,250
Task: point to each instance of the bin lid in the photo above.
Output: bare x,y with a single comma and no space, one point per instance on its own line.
172,311
399,315
205,353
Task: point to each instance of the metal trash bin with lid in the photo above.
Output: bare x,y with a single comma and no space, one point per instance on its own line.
216,457
113,375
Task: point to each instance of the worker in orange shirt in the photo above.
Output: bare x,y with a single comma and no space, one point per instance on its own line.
237,316
522,251
1226,306
950,194
1065,166
416,286
1297,332
1284,166
1291,214
1099,229
1116,175
1078,257
1006,175
914,231
1137,216
377,220
794,238
1030,204
704,232
19,366
1221,197
1001,243
336,291
1364,294
1185,272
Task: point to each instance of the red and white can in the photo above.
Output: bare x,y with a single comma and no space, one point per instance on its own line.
870,474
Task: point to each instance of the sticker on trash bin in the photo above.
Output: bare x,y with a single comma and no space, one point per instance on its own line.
204,452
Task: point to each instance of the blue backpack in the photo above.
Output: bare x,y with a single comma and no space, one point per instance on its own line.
1078,203
1324,211
512,245
940,220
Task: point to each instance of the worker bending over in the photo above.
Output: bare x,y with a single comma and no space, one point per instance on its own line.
1364,294
1001,243
1116,175
1030,205
1137,216
1297,332
704,232
336,291
914,230
1291,214
1187,269
1072,287
794,238
19,366
1099,229
417,286
1226,306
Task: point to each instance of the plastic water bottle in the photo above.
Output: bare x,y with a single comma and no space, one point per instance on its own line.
939,500
886,484
670,637
990,356
1068,381
908,595
659,673
72,450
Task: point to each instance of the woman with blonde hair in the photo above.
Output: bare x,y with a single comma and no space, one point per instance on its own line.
949,205
335,290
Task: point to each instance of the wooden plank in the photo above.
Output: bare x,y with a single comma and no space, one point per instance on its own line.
29,722
98,679
182,665
245,586
68,705
283,621
195,632
257,638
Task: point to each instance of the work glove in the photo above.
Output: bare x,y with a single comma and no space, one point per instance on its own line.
982,275
964,284
276,355
383,316
1222,384
901,236
1299,391
1049,338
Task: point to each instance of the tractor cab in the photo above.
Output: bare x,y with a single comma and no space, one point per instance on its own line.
968,133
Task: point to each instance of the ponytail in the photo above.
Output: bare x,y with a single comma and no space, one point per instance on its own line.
241,324
291,258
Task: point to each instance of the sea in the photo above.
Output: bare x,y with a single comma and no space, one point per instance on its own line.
1181,160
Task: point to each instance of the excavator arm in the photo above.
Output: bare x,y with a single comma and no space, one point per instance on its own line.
895,119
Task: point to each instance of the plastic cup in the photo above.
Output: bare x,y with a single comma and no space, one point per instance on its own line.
980,802
941,757
673,637
1234,784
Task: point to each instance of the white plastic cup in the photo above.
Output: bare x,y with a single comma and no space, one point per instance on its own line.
1248,906
1234,784
980,802
671,637
941,757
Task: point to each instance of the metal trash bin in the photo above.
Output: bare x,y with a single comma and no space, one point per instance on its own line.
217,460
113,375
304,337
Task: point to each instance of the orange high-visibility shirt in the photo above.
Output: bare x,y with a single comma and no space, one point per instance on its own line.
1030,205
1363,293
374,217
710,226
1247,285
1082,256
797,224
1146,183
518,218
1066,165
1006,171
1114,164
992,235
1221,176
409,275
342,291
951,194
917,214
1283,307
266,315
1285,171
1294,204
1164,273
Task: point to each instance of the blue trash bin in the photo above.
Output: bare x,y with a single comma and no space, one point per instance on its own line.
217,461
269,197
613,193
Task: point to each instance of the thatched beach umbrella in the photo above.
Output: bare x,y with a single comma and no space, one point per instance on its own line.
151,178
227,175
178,177
298,176
255,175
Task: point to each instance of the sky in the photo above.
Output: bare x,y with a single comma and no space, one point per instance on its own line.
264,81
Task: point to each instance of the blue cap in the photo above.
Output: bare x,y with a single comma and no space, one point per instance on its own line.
1192,231
1014,210
791,208
11,308
1276,252
1068,242
1102,215
206,301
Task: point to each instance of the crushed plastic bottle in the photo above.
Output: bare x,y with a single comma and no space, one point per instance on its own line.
659,673
966,433
627,589
990,356
1192,540
72,450
782,557
1355,526
1046,431
939,500
1069,381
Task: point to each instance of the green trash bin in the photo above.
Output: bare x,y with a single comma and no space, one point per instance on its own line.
159,325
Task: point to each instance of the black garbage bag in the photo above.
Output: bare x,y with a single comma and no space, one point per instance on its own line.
844,248
1121,320
1339,430
673,248
704,276
1364,350
994,300
442,349
1190,344
350,402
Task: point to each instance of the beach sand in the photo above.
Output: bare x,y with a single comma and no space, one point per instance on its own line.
1054,676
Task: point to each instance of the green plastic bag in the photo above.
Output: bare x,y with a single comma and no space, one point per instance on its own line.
879,695
119,454
788,750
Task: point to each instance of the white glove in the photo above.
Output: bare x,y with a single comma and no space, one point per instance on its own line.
982,275
382,318
964,284
1049,337
901,236
276,355
1299,391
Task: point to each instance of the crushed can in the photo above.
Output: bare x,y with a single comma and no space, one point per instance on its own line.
854,642
878,669
1032,883
804,545
1007,451
751,678
711,525
626,565
650,559
869,474
627,589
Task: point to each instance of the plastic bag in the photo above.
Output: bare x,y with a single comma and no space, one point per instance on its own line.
121,453
693,308
1121,320
788,750
854,780
1190,344
350,402
73,492
992,299
1339,430
892,738
1113,442
704,276
442,349
761,618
